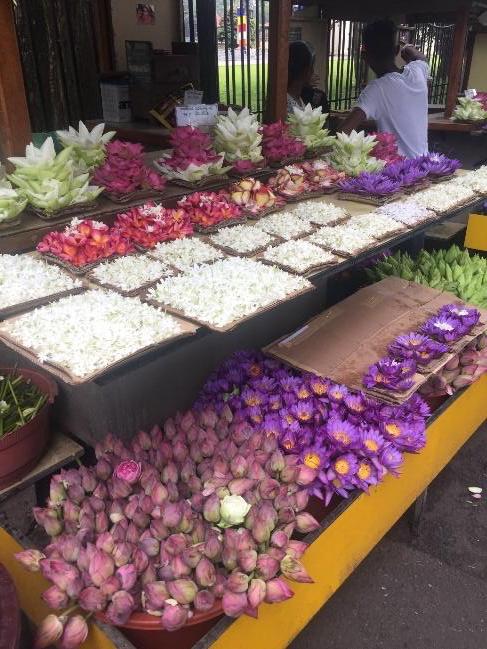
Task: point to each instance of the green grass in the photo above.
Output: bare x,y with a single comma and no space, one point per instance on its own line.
239,100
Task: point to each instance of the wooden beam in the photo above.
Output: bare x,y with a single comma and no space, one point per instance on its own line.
456,62
14,113
208,49
279,19
468,58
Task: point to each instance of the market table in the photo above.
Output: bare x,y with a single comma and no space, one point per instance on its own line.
122,401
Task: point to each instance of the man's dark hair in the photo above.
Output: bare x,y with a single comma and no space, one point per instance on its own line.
379,39
301,57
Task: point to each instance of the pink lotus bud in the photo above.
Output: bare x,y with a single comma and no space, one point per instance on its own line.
48,519
57,492
238,466
101,491
149,575
101,567
119,488
256,472
59,572
208,418
75,632
140,560
197,502
188,469
269,488
48,632
182,590
74,587
194,484
105,542
76,493
159,493
204,600
156,436
172,514
70,548
116,512
180,451
96,504
305,523
276,462
150,546
155,594
132,534
277,591
286,515
301,499
289,474
237,582
262,457
175,544
256,592
55,597
88,479
198,533
71,511
145,504
103,469
276,553
144,439
119,530
294,569
267,567
283,500
239,486
192,556
121,607
110,586
158,530
296,549
205,573
221,492
279,539
195,452
127,576
213,547
92,599
187,420
30,559
306,475
174,617
247,560
179,567
170,473
122,553
229,558
234,604
101,522
141,520
211,509
269,444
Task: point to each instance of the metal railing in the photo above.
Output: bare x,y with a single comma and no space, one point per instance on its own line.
346,73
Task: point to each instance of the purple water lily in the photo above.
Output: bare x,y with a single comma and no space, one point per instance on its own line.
371,184
418,347
437,164
444,328
468,316
408,172
390,374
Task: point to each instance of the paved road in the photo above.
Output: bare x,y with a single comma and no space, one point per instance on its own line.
428,592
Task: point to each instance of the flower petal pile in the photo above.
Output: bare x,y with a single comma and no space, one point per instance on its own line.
299,256
252,195
193,157
94,330
227,291
242,239
183,254
278,144
290,182
408,212
375,225
130,273
151,223
444,197
85,242
342,240
208,209
321,213
386,148
285,225
124,171
23,278
320,174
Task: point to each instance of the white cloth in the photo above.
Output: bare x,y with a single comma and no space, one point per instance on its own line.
398,102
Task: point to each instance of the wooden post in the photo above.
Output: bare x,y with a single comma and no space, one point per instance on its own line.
468,58
456,63
279,19
14,113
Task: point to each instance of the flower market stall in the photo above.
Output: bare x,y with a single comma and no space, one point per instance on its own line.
247,407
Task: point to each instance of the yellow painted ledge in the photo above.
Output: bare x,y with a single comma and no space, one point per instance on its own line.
476,235
341,547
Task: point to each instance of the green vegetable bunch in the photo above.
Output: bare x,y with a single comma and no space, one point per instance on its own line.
20,401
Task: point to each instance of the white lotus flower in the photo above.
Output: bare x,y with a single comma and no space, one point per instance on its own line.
469,110
233,510
193,173
237,136
88,147
307,125
351,153
34,156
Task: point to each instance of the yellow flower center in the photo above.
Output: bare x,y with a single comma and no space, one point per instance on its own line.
337,394
364,471
342,467
379,378
312,460
424,354
319,388
255,370
342,437
304,416
289,419
371,445
275,406
253,401
257,419
271,432
357,407
415,341
303,393
393,429
288,444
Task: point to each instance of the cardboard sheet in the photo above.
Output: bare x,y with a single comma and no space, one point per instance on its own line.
343,341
